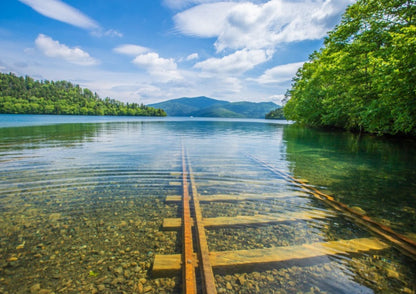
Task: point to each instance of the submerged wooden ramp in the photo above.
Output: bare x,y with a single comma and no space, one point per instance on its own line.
227,259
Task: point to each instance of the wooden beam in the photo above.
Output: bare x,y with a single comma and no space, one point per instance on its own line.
176,223
188,261
207,274
279,254
237,258
240,197
232,182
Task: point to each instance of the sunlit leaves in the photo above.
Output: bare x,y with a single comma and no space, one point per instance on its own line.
364,78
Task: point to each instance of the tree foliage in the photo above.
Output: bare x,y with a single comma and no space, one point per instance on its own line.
25,95
276,114
364,77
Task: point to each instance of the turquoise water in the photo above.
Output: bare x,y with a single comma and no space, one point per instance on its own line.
83,199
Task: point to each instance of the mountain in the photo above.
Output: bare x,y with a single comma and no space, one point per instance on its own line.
209,107
187,106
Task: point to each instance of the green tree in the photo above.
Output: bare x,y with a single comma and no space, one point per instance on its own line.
25,95
365,75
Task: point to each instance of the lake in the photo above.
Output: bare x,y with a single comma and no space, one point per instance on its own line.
83,202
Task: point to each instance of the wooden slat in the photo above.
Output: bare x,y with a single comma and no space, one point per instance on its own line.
188,262
174,198
240,197
232,182
164,264
175,184
176,223
207,274
280,254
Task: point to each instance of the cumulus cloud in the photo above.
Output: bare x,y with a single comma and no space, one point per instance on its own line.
238,25
52,48
192,56
278,99
162,68
237,62
205,20
280,73
130,49
58,10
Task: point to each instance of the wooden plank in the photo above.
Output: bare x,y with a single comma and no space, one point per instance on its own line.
233,182
283,254
164,264
279,254
207,274
240,197
175,184
173,198
188,262
176,223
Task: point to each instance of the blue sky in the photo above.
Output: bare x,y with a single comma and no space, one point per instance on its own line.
148,51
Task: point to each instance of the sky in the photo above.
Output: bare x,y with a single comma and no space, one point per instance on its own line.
148,51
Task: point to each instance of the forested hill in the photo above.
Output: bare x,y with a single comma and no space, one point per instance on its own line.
364,78
209,107
24,95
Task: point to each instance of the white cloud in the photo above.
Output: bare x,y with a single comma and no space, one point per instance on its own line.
52,48
192,56
280,73
205,20
58,10
164,69
238,25
113,33
130,49
278,99
237,63
152,60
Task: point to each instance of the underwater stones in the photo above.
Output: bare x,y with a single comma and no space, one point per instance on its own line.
35,288
54,217
358,210
118,271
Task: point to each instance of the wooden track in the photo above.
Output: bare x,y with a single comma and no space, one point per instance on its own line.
203,260
207,274
188,261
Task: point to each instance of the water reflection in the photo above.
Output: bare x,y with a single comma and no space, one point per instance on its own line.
376,174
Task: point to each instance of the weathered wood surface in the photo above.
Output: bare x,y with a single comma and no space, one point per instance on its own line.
276,254
207,275
240,197
188,258
176,223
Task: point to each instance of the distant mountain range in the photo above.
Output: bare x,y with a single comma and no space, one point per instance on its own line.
209,107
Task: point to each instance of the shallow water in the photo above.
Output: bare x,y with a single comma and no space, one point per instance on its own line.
82,204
